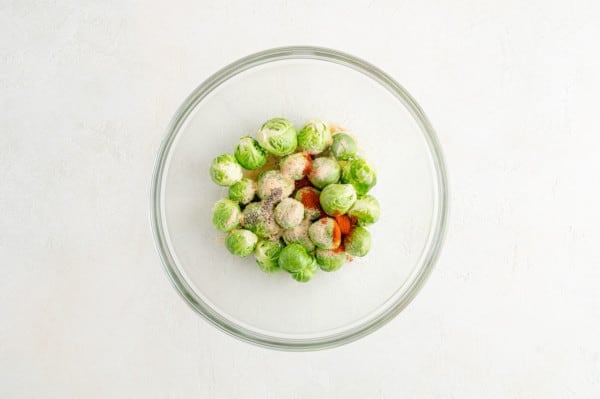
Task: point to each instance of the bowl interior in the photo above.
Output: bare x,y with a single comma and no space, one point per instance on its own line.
233,290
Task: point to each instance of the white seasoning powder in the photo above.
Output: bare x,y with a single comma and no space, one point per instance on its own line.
289,212
322,170
322,230
270,183
299,234
294,167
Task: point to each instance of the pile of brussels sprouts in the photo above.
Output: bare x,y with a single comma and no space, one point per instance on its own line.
309,206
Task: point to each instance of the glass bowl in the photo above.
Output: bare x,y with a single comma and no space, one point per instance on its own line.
272,310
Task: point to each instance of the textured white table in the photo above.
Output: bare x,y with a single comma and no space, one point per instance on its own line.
512,309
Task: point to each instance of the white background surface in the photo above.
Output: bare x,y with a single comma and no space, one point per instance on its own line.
512,309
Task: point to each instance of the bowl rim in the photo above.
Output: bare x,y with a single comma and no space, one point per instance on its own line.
157,220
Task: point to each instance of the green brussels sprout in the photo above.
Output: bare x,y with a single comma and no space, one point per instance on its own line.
258,218
295,166
324,171
299,235
226,215
294,258
278,137
267,254
307,273
365,210
314,137
289,213
225,170
241,242
243,191
330,260
325,233
337,199
358,242
343,147
309,197
250,154
360,174
273,186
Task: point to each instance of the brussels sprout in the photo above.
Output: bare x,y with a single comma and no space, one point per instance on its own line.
299,235
325,233
314,137
336,199
294,258
358,242
267,254
343,147
360,174
278,137
307,273
250,154
365,210
225,170
295,166
289,213
309,197
226,215
330,260
241,242
258,218
273,186
243,191
324,171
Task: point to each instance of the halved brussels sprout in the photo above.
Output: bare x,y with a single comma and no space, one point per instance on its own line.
267,254
337,199
278,137
299,235
295,166
243,191
294,258
306,274
343,147
258,217
226,215
250,154
314,137
273,186
225,170
358,242
241,242
325,233
365,210
330,260
289,213
360,174
324,171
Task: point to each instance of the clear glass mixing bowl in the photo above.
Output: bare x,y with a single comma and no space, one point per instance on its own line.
275,311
